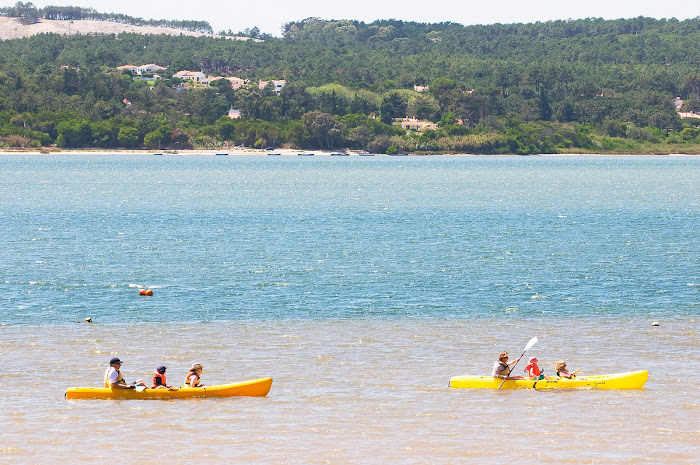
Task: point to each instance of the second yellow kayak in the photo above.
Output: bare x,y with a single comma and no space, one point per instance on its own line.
627,380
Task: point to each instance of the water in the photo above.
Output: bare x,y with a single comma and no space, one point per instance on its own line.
361,285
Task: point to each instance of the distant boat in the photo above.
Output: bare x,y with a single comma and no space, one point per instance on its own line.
274,154
366,154
221,154
305,154
398,154
158,154
340,154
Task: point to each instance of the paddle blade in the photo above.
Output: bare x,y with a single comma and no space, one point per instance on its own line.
140,388
531,343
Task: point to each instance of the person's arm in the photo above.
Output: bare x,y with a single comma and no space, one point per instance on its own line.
510,365
121,386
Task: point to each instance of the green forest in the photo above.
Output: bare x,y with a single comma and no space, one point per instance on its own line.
578,86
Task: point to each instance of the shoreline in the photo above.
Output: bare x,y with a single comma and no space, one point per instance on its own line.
292,152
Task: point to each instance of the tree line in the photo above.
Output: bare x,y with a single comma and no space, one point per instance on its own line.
584,85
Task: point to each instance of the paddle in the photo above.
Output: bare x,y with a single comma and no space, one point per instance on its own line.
529,344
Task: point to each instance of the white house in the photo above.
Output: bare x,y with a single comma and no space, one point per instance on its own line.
277,85
143,69
210,79
195,76
149,68
413,124
236,82
234,114
131,68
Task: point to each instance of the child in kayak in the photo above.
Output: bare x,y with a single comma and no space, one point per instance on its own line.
159,381
534,371
562,372
193,377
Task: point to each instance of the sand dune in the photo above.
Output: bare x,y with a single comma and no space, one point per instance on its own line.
11,28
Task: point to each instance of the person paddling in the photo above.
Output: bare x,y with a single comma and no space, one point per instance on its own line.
114,378
502,367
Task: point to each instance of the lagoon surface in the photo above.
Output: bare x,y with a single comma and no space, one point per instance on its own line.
361,285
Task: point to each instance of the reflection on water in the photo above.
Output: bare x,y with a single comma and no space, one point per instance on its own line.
352,391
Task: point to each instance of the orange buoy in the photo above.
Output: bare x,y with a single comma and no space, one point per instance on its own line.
142,292
149,292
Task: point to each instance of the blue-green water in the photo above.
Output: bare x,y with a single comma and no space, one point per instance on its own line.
361,285
241,238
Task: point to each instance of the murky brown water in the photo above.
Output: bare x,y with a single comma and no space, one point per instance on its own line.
363,391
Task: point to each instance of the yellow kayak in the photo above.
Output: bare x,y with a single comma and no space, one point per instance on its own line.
254,388
627,380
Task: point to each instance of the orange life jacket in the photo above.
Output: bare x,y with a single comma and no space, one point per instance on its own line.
158,380
533,370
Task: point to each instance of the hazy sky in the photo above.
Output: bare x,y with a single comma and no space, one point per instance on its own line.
270,15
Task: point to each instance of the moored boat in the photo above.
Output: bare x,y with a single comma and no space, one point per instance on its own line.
253,388
627,380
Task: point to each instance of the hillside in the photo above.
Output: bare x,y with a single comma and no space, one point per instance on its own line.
12,28
563,86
